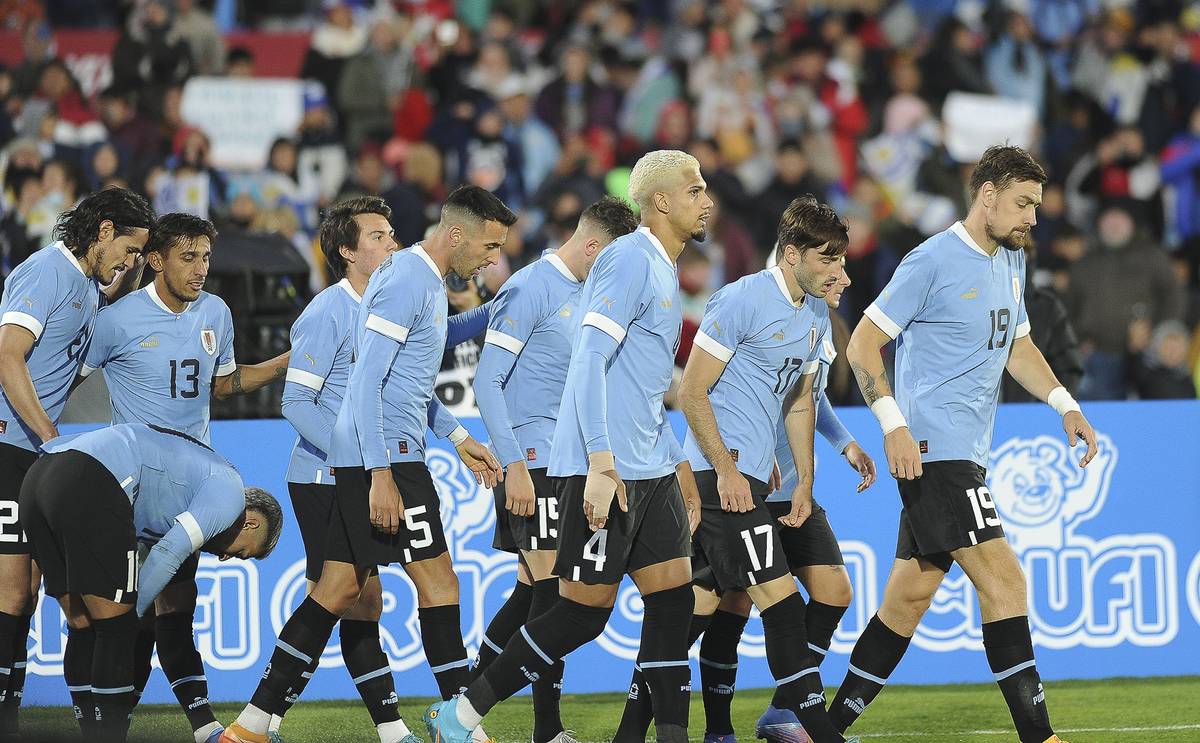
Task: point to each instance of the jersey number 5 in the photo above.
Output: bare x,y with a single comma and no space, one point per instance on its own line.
181,368
999,325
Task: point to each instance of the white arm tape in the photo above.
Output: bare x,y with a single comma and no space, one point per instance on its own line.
1061,401
458,435
888,413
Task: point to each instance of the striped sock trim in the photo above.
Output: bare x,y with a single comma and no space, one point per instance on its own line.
292,651
795,676
818,649
1015,669
713,664
452,664
187,679
495,648
541,654
863,674
372,675
663,664
118,690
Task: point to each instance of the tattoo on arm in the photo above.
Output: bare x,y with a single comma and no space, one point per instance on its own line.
280,372
236,382
873,387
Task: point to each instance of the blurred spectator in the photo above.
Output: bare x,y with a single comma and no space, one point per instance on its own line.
732,111
369,176
151,55
574,102
58,89
792,178
1119,170
730,246
1181,173
372,85
60,190
489,160
321,161
1158,361
134,135
239,62
953,62
334,41
1015,66
281,186
538,145
37,46
199,30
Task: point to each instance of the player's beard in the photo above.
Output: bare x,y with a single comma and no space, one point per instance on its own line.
700,234
1014,240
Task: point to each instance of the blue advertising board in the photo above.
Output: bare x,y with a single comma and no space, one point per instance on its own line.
1111,552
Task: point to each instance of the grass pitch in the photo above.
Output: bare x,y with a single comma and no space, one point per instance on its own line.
1158,710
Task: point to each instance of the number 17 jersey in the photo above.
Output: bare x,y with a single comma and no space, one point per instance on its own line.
159,364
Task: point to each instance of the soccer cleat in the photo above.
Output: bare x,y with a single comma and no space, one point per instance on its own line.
780,726
215,736
441,720
1054,739
273,736
235,733
411,738
723,738
565,736
478,736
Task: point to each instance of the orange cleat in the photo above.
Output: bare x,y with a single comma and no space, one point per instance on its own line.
1054,739
235,733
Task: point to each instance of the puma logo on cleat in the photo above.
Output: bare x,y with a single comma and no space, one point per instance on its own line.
858,705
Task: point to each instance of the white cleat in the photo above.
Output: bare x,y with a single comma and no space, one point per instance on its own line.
478,736
566,736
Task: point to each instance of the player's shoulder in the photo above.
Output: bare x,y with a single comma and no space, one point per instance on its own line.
628,255
51,260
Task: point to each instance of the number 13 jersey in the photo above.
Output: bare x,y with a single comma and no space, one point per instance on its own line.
160,365
955,312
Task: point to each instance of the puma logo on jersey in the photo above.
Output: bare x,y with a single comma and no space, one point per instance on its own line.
971,294
666,303
607,302
151,342
716,326
311,360
510,322
565,311
77,305
778,336
28,302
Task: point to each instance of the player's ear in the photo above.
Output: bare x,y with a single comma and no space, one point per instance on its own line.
106,231
346,253
155,259
661,202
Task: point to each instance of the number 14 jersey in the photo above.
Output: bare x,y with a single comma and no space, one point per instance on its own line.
160,365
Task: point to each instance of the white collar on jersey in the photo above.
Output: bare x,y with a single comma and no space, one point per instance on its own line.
428,261
62,248
558,263
345,284
153,294
657,245
958,228
777,274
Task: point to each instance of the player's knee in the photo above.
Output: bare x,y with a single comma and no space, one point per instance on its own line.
835,591
370,602
177,598
336,593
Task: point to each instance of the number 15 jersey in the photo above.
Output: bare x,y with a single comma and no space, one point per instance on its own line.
160,365
955,312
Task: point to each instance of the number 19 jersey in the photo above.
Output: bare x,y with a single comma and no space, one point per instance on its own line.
159,364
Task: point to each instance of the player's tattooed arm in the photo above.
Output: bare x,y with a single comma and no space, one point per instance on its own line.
873,386
250,377
866,361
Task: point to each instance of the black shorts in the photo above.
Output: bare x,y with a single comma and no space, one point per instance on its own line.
949,507
813,543
735,550
14,463
351,538
536,532
80,527
653,530
313,505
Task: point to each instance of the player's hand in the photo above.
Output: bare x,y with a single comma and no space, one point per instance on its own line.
802,506
518,490
776,479
1077,427
862,462
480,460
603,484
386,506
734,491
904,459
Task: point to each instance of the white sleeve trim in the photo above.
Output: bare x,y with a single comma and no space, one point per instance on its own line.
884,322
720,352
605,323
505,341
398,333
227,368
85,370
192,527
29,322
1022,330
312,381
810,368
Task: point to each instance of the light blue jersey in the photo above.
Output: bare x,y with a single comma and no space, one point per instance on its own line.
955,312
400,335
50,296
322,351
768,342
183,493
159,365
523,367
621,364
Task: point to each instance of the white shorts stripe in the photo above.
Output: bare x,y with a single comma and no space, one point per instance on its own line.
398,333
312,381
605,323
505,341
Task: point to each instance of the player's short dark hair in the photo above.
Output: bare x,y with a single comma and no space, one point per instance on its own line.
477,203
807,223
1003,165
612,215
260,500
340,228
78,228
178,229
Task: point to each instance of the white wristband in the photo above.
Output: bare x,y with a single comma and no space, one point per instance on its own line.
458,435
888,413
1061,401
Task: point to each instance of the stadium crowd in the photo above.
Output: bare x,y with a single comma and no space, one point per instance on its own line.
548,104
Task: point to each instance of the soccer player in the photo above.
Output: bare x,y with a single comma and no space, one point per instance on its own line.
955,307
355,238
387,507
613,445
812,555
148,484
46,318
165,351
518,386
753,364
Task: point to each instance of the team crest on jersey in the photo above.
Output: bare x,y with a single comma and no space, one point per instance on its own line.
208,339
1016,288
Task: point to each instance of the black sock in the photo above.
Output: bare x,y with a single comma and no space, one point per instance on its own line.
639,711
547,690
10,709
794,667
300,642
143,654
370,670
664,659
534,649
1009,651
183,667
77,672
112,674
513,613
441,635
820,621
718,669
298,689
9,624
875,655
